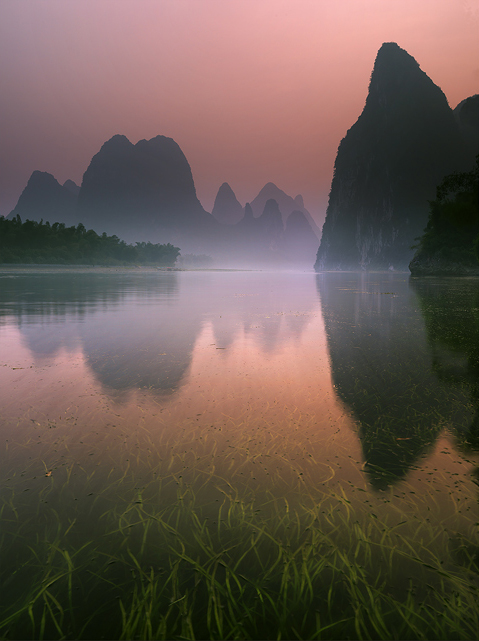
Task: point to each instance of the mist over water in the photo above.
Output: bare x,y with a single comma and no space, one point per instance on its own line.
314,389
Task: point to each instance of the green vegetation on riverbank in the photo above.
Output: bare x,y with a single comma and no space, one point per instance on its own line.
42,243
450,244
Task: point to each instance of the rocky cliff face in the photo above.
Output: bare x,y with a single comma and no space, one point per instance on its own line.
44,198
467,117
388,166
227,209
142,192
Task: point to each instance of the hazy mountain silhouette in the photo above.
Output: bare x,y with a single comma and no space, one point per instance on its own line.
264,240
300,243
227,209
143,192
261,234
387,167
286,205
44,197
270,225
72,187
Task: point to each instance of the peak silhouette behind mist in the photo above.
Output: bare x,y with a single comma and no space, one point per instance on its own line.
145,192
44,198
227,209
71,187
286,204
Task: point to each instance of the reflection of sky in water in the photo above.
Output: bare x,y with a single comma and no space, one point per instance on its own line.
140,332
237,351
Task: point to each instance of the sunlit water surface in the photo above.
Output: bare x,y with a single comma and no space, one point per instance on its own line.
139,405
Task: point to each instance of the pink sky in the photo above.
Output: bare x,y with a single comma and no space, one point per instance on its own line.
252,90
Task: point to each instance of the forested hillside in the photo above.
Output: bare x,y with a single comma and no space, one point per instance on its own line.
450,243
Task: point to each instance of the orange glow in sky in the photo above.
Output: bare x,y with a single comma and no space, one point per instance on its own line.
252,90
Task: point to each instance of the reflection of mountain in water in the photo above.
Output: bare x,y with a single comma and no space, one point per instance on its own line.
138,330
450,308
382,369
71,310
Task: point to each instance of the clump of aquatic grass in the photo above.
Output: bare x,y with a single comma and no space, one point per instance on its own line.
197,556
204,536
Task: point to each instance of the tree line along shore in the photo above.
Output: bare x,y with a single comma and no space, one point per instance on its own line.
33,242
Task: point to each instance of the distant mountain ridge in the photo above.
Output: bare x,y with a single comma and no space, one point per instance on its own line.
44,198
387,168
273,224
286,204
145,192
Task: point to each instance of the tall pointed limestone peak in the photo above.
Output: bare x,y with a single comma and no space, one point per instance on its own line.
397,84
392,68
44,198
227,209
387,167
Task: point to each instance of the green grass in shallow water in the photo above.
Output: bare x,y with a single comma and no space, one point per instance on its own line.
191,555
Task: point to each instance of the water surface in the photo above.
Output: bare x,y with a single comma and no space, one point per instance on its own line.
171,439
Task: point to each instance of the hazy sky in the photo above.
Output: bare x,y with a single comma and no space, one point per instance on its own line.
252,90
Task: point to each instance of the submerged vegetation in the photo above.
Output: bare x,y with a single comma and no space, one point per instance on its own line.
180,542
42,243
450,244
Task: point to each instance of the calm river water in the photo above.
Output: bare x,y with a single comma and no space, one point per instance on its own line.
238,455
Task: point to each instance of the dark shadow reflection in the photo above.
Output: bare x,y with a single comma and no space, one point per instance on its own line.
450,308
138,329
383,369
